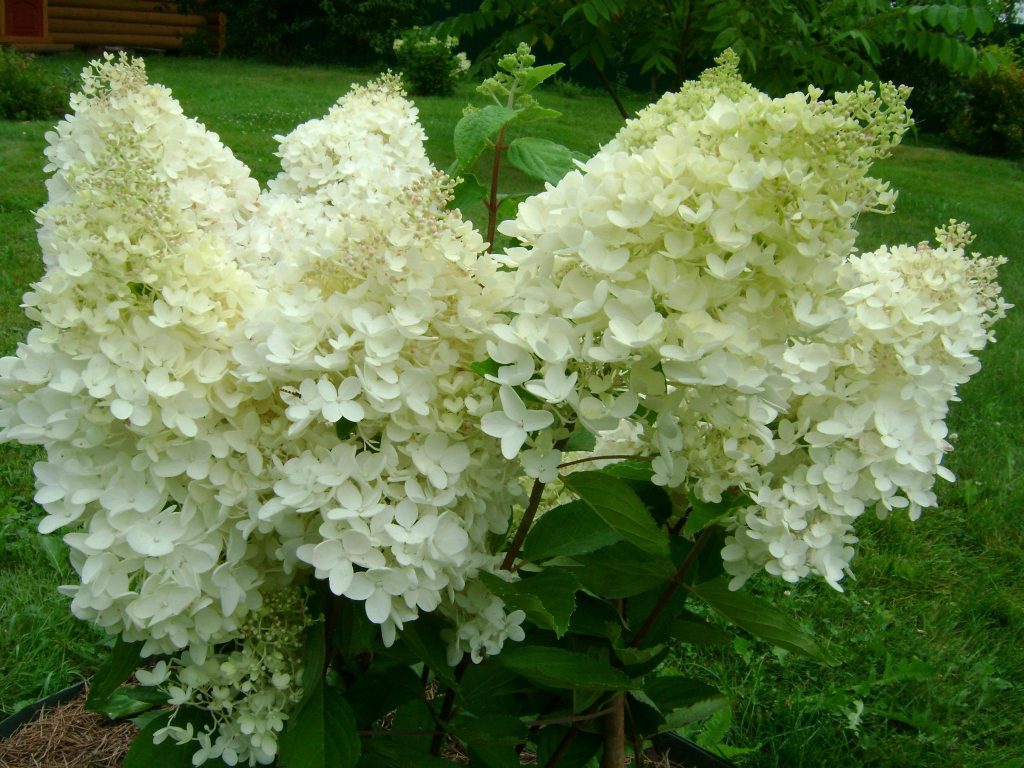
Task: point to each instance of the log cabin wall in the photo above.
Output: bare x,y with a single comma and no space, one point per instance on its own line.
114,23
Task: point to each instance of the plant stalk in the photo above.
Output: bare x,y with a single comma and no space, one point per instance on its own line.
677,581
492,200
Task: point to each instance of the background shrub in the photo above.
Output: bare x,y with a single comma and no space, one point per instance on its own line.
26,91
993,121
429,64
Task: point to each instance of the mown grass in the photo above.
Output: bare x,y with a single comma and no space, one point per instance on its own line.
928,638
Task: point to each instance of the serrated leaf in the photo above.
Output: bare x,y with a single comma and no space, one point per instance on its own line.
322,734
705,513
540,159
620,508
594,617
534,76
475,130
548,598
562,670
119,665
622,570
567,530
757,617
535,112
682,700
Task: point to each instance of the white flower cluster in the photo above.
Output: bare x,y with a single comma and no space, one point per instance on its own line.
247,692
238,390
126,381
382,483
694,277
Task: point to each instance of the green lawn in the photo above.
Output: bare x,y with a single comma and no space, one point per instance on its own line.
929,638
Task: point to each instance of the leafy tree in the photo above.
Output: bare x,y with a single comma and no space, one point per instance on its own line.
783,43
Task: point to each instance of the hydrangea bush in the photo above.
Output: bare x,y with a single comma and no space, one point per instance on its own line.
319,456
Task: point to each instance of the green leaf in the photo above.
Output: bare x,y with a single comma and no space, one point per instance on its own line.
423,638
381,691
314,649
121,664
473,132
491,739
562,670
486,367
322,734
534,76
582,749
620,508
682,700
622,570
548,598
692,630
969,23
705,513
569,529
55,549
468,193
131,700
757,617
488,688
535,112
540,159
167,754
629,470
580,440
344,428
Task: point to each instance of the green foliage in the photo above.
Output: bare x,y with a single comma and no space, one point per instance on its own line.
932,623
366,29
28,92
514,106
358,32
429,64
784,43
992,121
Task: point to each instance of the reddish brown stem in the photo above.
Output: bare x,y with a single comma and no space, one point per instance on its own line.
524,525
446,708
623,456
492,201
677,581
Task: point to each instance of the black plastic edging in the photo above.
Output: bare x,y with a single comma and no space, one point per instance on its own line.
685,752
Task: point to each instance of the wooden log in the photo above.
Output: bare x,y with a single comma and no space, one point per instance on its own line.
117,5
71,26
137,17
128,41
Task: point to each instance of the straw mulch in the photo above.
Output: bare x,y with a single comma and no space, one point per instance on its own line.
67,736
